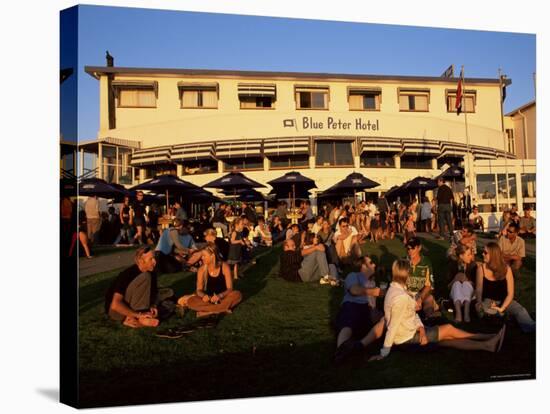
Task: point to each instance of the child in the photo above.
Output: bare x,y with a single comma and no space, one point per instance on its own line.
410,228
262,233
236,244
375,228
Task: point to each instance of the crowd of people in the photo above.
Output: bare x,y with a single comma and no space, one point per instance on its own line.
326,249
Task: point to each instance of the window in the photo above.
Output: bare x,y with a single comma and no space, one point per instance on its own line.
486,186
312,97
502,189
242,164
414,100
468,101
124,168
417,161
528,186
159,169
137,98
198,95
377,160
109,163
511,141
256,102
200,167
199,99
332,153
364,100
289,161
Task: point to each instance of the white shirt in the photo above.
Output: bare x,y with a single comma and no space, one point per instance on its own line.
316,228
347,240
402,321
371,209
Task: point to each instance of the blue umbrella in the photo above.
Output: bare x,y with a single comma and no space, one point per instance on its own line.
98,187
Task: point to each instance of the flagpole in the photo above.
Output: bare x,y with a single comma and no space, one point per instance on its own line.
468,151
504,140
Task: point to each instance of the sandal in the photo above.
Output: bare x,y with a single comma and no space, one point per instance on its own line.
169,334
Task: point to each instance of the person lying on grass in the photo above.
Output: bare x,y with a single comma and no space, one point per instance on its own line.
215,293
405,327
133,296
358,315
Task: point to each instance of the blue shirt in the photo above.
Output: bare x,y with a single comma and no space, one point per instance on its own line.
166,244
357,278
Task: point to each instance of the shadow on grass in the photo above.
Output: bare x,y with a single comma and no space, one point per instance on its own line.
290,369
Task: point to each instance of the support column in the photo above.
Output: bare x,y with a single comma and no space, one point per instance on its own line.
179,170
357,161
312,162
220,166
397,159
434,163
266,164
100,160
141,175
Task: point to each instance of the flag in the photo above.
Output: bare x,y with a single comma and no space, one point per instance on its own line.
458,103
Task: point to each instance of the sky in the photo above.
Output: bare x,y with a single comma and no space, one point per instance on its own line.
175,39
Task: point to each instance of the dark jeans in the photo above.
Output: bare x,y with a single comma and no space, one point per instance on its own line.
444,215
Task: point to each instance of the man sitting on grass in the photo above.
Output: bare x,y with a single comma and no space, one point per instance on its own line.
527,224
345,240
358,315
421,280
513,247
133,296
174,246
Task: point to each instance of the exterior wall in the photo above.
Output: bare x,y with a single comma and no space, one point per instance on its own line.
525,131
168,124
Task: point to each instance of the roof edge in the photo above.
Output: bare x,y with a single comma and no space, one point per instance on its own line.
97,71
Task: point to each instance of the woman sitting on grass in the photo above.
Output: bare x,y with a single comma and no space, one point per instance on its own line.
214,292
463,274
495,289
405,327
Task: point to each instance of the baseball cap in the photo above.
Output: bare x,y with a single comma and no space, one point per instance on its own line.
413,242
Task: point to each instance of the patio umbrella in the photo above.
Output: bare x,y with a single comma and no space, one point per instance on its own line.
350,185
97,187
419,184
233,181
454,173
292,185
167,184
67,187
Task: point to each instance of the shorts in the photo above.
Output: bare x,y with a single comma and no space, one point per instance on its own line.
139,221
432,333
359,317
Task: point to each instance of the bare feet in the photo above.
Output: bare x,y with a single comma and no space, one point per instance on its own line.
202,314
148,321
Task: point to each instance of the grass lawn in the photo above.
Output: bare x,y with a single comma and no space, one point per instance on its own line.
278,341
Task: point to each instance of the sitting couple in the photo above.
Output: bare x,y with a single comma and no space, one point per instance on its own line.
308,264
135,299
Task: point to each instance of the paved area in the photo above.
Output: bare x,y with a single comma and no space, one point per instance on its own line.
105,262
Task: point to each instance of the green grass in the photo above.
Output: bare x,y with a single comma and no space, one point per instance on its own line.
278,341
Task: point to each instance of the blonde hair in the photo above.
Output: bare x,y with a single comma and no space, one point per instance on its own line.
400,271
